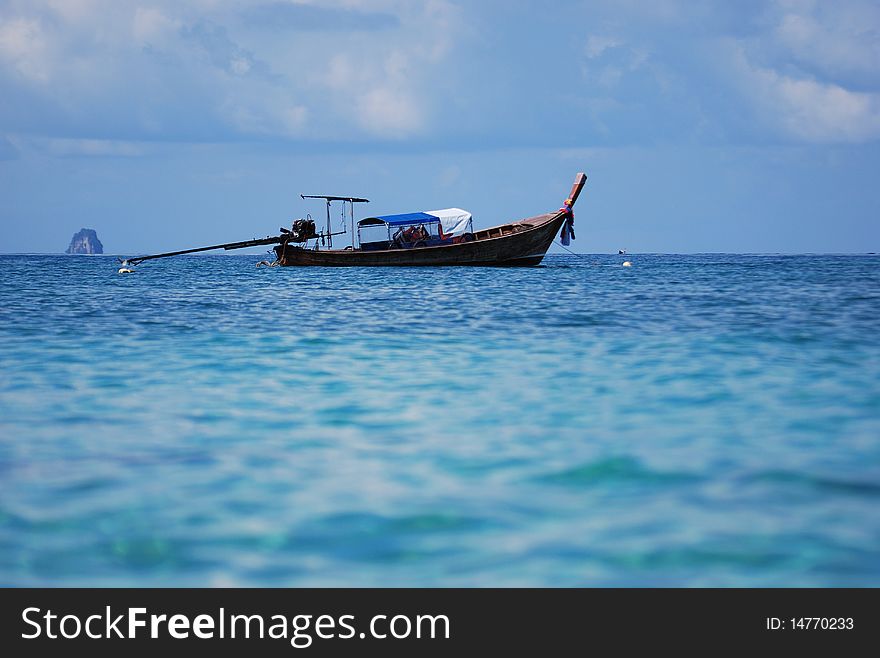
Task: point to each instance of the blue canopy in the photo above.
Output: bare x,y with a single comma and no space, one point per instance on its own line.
407,218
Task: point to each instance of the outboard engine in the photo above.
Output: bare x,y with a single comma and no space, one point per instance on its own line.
302,230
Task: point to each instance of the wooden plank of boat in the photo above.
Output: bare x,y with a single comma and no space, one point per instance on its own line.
517,244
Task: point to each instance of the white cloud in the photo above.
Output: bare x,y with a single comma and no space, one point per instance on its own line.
598,44
611,58
810,109
154,65
824,112
75,11
813,72
239,65
8,150
272,115
441,22
341,73
388,112
385,89
151,26
840,39
294,119
63,147
378,96
24,47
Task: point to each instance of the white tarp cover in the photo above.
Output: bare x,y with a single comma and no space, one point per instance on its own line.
455,221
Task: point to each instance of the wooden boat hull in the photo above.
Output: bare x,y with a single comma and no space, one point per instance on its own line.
518,244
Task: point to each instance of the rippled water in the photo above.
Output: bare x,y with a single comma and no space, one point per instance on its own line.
692,420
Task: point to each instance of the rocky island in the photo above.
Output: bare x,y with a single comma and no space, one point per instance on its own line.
85,241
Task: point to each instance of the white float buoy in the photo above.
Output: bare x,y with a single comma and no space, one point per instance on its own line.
125,270
626,263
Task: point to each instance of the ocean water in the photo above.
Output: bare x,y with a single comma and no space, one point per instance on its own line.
705,420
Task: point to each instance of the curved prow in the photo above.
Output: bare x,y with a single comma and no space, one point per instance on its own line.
576,188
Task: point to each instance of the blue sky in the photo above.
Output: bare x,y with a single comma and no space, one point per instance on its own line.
703,126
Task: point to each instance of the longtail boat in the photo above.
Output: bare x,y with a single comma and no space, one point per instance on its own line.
433,238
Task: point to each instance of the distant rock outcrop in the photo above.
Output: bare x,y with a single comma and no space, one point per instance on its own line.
85,241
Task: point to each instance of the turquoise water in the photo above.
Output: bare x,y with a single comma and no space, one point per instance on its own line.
692,420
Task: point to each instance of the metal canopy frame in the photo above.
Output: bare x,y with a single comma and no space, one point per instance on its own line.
350,200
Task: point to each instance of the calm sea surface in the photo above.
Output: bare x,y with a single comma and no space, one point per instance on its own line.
692,420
